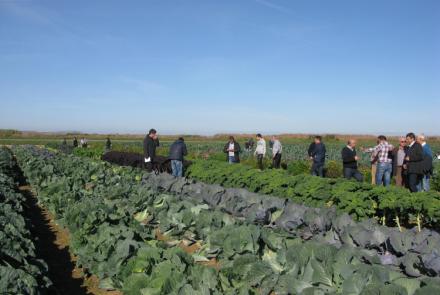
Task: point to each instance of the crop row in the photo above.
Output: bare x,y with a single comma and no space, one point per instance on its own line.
20,270
393,247
392,205
146,242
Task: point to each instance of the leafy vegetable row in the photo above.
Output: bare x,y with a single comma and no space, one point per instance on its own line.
20,270
357,199
146,242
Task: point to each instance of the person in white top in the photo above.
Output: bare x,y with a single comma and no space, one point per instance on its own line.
277,149
260,151
232,150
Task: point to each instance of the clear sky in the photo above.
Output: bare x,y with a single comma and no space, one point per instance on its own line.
211,66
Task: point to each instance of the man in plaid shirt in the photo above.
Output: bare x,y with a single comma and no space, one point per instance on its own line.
383,152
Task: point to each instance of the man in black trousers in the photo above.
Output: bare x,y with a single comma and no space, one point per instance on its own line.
150,143
317,153
350,161
413,162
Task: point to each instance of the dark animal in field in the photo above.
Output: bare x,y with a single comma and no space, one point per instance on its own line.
161,164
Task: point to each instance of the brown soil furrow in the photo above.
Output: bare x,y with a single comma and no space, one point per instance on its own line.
52,245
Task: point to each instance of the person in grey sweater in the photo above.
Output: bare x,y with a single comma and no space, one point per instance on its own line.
277,149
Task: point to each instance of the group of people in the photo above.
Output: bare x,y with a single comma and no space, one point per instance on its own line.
177,153
83,143
410,163
232,150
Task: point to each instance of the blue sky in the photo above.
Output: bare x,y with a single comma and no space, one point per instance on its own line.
211,66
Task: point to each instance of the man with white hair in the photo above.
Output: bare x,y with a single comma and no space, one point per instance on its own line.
350,161
427,163
399,157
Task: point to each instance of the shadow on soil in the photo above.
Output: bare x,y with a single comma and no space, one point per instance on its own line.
58,260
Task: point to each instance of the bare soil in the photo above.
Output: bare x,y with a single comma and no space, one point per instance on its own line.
52,245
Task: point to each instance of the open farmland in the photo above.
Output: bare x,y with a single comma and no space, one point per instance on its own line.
142,233
253,147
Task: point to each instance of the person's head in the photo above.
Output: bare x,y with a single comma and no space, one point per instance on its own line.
351,143
317,139
181,138
421,138
152,133
231,139
381,138
402,141
259,136
410,138
274,137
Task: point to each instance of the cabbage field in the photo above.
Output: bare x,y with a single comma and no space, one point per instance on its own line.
21,272
143,233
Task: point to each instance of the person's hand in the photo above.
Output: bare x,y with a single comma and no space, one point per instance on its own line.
404,166
356,158
311,158
407,158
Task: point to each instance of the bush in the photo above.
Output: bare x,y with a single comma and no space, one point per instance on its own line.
435,183
299,167
333,169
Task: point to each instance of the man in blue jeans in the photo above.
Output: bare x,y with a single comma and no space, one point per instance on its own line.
427,164
177,152
384,153
317,154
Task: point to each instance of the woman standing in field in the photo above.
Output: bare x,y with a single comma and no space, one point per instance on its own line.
232,150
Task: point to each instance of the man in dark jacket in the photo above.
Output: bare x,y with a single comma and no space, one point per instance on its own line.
427,163
232,150
311,148
413,162
150,143
350,161
75,142
317,155
177,152
108,144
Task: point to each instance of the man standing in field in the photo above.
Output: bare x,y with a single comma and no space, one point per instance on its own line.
150,149
177,152
399,158
317,155
277,149
373,162
350,161
232,150
260,151
108,145
383,151
413,162
427,163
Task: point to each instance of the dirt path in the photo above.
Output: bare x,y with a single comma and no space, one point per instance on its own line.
52,245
